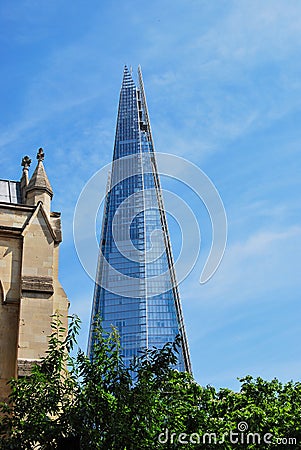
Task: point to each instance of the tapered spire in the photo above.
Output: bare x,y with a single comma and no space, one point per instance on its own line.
127,78
136,287
39,187
39,179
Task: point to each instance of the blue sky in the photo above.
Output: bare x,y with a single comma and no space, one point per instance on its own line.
223,83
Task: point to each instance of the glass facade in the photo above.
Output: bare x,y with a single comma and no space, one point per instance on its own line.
135,288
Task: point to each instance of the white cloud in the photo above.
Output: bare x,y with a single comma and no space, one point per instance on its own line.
251,269
237,73
250,31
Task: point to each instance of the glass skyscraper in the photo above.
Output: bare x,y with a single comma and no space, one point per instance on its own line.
135,287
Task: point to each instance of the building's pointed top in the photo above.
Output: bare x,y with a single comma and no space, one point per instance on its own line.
127,78
39,179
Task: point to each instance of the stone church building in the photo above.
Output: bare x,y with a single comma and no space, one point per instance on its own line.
30,292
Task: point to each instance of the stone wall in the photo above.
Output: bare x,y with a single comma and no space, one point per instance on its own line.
30,292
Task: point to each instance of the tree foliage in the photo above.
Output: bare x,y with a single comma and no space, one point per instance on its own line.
73,402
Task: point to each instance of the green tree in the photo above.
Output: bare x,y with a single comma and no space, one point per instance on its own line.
71,402
39,405
100,403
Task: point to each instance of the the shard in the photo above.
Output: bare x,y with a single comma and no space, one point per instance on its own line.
135,288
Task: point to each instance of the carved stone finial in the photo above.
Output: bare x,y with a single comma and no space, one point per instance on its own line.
40,155
26,161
